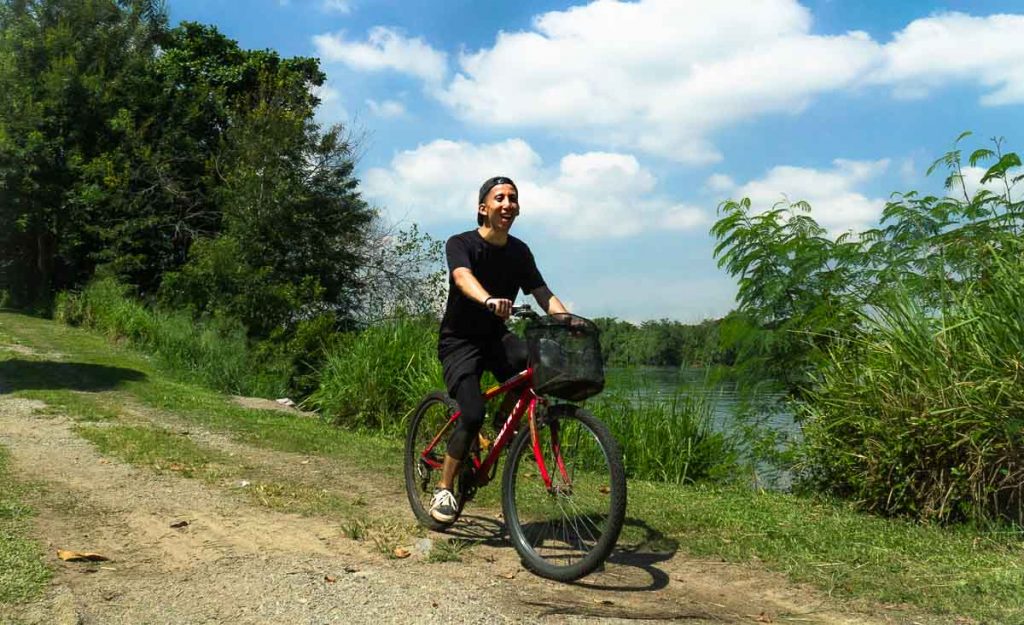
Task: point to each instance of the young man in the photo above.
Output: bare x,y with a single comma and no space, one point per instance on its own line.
487,267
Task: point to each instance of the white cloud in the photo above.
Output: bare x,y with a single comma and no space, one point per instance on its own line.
591,195
954,47
331,108
719,183
387,109
385,49
656,75
833,194
972,181
662,76
336,6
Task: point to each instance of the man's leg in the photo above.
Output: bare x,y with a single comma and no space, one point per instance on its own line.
443,506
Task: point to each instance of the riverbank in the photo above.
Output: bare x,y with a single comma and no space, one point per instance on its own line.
132,413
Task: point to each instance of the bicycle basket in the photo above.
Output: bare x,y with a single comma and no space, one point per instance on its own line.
565,354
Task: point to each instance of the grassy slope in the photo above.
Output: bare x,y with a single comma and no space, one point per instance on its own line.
975,573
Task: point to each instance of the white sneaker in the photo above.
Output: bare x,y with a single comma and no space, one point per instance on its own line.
443,507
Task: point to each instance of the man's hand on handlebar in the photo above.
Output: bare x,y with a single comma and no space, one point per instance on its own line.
499,306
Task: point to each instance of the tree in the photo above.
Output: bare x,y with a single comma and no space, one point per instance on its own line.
62,63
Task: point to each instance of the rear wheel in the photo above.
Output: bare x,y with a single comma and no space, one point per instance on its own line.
567,531
421,474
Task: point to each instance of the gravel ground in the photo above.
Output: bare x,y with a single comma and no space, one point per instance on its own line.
235,562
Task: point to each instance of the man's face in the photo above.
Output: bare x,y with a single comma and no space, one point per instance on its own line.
500,207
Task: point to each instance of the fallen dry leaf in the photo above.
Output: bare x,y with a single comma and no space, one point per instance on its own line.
80,556
402,552
605,490
176,467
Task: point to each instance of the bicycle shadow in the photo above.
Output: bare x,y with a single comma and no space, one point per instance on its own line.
639,550
20,375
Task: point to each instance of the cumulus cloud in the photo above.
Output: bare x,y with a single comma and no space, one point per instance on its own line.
336,6
718,183
331,107
954,47
972,182
656,75
385,49
661,76
590,195
387,109
836,201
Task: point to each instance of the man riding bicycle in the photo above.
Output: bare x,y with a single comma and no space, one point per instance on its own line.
487,268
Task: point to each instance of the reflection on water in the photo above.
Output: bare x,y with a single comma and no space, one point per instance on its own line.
647,382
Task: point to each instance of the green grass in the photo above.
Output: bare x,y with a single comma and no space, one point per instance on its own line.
847,553
165,451
977,573
667,441
159,449
23,573
374,379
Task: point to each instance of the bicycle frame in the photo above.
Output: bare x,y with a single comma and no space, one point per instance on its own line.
526,404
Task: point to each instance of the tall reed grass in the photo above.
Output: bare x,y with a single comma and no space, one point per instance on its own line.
924,413
213,352
375,378
668,439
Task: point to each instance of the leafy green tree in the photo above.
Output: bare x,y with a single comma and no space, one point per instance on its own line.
797,287
62,65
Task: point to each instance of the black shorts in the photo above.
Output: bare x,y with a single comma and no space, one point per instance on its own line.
504,356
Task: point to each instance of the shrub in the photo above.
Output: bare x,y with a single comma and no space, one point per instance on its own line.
924,414
375,378
214,352
668,439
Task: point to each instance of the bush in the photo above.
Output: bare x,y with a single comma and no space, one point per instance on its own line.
924,414
374,379
214,352
667,441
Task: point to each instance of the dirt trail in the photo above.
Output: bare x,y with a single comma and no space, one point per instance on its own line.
239,563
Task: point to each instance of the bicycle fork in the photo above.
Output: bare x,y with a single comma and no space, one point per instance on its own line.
565,488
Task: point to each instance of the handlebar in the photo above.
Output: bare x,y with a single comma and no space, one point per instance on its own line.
524,312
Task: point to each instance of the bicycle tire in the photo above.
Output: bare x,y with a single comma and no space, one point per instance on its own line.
430,416
540,526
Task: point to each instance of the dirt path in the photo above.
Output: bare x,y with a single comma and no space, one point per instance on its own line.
239,563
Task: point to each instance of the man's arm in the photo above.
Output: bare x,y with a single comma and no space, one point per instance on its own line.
466,282
547,301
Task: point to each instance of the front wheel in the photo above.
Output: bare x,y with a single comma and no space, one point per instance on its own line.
568,530
431,419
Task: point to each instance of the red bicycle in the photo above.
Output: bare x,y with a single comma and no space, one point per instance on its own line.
563,486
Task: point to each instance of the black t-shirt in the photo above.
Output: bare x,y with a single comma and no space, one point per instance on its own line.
502,270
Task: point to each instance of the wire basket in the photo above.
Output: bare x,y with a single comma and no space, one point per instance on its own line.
565,353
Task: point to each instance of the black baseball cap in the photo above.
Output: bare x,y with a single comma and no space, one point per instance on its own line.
486,187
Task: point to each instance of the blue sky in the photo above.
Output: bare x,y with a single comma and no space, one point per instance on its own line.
626,123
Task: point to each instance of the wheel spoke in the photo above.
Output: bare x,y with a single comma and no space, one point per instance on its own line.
431,418
565,532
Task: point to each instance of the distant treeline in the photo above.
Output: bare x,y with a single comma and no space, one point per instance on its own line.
661,343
